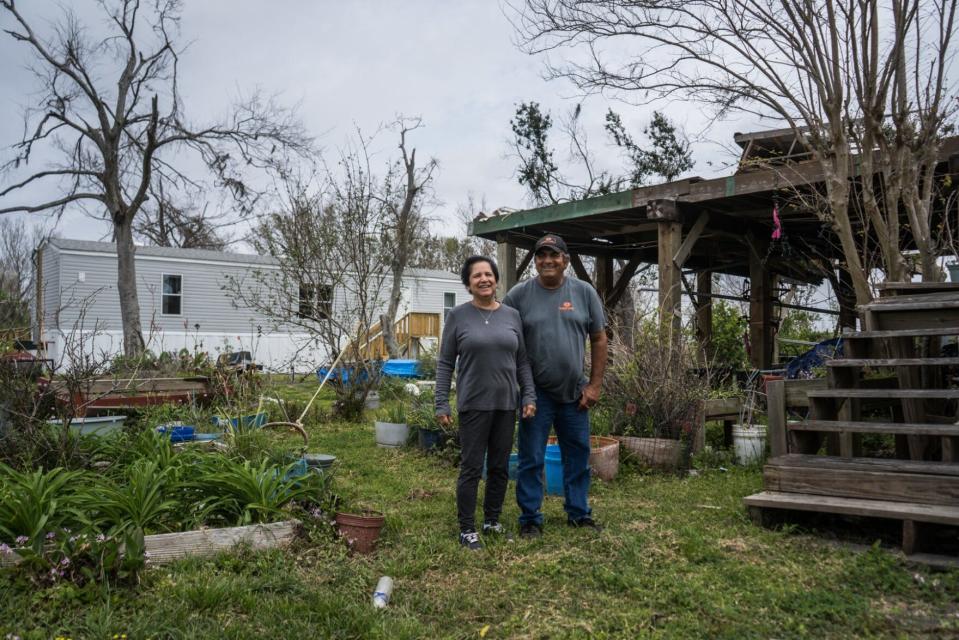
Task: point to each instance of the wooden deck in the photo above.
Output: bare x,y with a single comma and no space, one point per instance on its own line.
819,464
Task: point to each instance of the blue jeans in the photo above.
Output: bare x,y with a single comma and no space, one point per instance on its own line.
572,431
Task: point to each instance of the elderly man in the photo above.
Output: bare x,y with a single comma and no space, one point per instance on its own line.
558,315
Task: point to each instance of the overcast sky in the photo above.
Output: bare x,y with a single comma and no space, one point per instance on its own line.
359,64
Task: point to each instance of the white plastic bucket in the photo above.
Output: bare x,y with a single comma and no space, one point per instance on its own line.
749,441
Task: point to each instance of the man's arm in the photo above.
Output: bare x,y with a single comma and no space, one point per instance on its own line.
598,354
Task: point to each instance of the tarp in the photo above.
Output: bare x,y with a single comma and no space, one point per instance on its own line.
802,366
401,368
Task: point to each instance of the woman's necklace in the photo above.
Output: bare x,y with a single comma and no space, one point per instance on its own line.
487,316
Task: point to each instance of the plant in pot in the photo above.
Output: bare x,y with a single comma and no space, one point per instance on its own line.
655,395
422,416
392,430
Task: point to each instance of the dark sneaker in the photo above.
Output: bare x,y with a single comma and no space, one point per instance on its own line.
530,530
470,540
585,523
494,528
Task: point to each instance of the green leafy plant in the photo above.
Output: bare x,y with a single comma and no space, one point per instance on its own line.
247,493
138,502
395,413
35,503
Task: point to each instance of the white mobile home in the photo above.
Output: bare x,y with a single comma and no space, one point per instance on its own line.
183,304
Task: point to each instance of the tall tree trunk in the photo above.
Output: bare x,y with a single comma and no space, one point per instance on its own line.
133,343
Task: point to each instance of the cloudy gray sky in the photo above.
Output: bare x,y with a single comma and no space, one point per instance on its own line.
359,64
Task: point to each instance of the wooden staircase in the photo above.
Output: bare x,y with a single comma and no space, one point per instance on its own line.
892,369
409,330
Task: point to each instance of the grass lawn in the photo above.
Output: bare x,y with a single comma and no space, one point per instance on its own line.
679,559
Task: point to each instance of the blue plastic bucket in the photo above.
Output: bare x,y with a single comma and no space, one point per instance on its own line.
177,433
513,465
554,470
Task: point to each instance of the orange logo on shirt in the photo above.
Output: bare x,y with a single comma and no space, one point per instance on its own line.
566,306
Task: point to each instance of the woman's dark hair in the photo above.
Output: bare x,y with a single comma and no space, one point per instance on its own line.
468,268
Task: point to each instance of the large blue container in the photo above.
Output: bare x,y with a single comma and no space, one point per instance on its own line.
554,470
513,465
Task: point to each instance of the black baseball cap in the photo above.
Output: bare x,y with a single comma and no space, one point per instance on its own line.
551,241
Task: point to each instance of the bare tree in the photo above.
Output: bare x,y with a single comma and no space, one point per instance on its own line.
402,194
168,221
331,281
111,112
18,241
851,77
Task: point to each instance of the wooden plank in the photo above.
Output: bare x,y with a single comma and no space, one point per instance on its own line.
868,485
718,407
679,259
917,287
892,362
506,259
910,537
910,394
841,426
167,547
776,411
797,391
890,465
941,514
901,333
670,288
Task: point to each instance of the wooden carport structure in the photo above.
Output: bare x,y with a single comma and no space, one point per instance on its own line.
701,227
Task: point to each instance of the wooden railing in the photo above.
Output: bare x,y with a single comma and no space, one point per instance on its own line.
407,330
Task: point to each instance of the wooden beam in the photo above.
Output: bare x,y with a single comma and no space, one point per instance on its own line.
690,240
579,269
760,306
704,317
670,283
604,278
506,259
625,276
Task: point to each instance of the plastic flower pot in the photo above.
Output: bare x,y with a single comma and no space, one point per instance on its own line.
391,435
360,530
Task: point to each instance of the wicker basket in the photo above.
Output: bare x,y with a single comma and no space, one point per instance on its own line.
658,453
603,456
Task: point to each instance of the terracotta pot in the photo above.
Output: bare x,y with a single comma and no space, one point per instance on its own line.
603,456
360,530
658,453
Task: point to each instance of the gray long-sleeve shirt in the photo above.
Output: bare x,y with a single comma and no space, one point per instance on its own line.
489,354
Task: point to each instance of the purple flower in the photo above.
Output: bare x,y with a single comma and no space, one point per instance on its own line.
22,540
50,536
65,562
5,549
101,537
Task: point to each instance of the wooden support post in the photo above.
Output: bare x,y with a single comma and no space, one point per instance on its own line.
776,412
910,537
760,306
846,297
704,317
604,279
506,260
670,282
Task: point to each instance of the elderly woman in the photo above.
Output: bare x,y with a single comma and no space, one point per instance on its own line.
484,341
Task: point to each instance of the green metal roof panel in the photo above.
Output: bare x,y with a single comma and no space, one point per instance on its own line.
554,213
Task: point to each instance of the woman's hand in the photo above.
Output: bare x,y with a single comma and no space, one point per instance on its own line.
529,410
444,421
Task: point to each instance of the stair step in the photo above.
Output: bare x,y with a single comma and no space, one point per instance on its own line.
866,464
941,514
898,428
892,362
905,394
901,333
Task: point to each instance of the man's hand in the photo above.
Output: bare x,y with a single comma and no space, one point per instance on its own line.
590,397
529,410
444,421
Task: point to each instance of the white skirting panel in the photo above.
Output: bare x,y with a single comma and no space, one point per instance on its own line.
276,352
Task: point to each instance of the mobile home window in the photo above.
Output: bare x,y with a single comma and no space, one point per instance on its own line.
315,301
172,295
449,301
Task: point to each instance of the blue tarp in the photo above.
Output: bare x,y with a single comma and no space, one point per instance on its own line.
401,368
803,365
392,368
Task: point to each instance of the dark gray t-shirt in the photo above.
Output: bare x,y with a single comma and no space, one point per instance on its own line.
489,357
556,324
